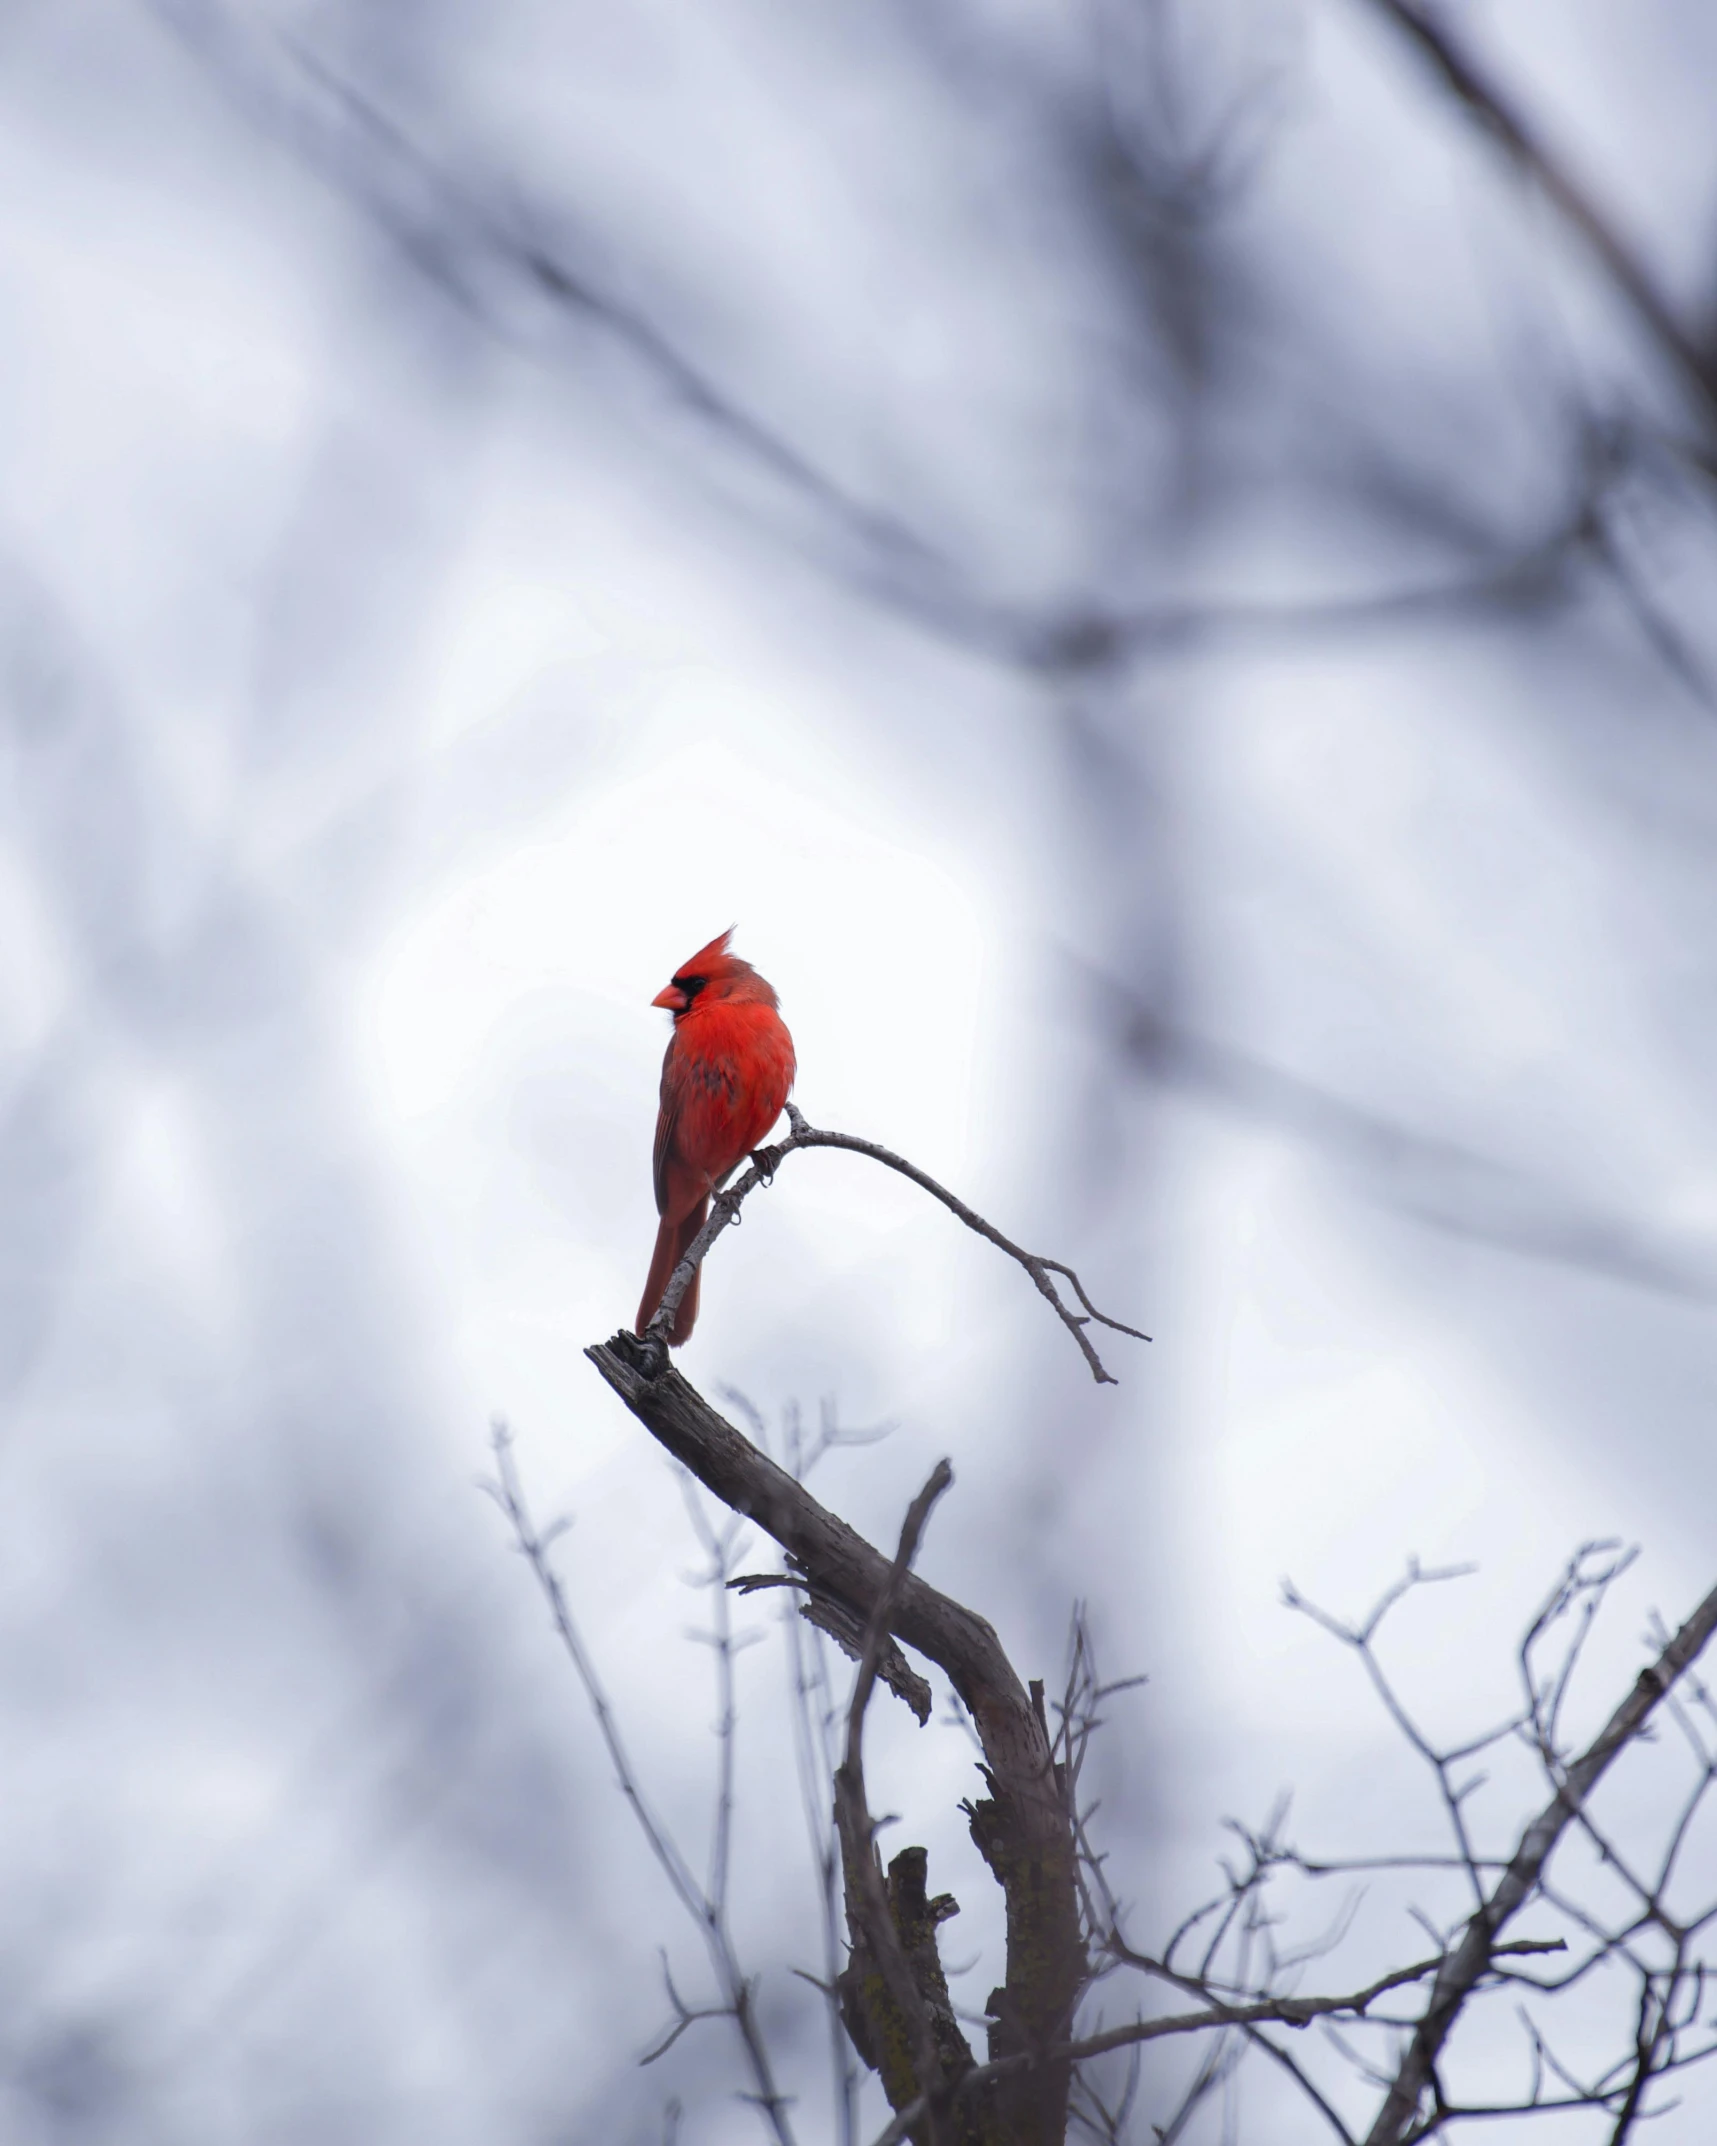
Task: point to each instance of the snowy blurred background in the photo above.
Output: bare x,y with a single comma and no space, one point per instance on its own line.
1169,597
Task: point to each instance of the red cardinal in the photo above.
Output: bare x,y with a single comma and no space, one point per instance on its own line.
727,1074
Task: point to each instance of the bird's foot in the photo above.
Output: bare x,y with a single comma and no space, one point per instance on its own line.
766,1161
652,1351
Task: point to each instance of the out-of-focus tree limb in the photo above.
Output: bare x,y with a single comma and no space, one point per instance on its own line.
509,265
1438,1181
1489,102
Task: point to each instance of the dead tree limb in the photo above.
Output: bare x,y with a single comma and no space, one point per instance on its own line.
1268,2011
1022,1827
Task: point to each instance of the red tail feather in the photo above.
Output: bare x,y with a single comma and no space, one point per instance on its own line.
673,1241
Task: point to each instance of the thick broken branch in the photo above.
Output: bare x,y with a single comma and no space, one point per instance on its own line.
838,1621
1022,1827
891,1994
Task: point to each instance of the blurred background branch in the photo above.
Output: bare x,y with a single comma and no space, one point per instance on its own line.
1154,557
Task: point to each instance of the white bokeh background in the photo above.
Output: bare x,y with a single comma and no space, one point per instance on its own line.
403,669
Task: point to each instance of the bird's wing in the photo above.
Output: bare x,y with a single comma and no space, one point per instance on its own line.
664,1153
677,1184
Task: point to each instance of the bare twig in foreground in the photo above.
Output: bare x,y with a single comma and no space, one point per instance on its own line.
1227,1952
1498,111
706,1907
814,1744
1472,1957
1264,2011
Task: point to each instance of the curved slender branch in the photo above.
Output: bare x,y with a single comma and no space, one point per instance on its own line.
724,1209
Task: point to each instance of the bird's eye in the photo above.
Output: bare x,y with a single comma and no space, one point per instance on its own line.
691,985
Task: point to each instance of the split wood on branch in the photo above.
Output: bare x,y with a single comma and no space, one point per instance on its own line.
1022,1827
705,1904
847,1630
894,1999
724,1209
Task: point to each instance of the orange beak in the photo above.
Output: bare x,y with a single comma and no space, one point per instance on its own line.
672,997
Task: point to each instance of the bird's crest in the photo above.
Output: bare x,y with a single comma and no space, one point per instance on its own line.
712,960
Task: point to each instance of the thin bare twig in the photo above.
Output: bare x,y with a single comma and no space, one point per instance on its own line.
724,1209
1021,1827
1442,1763
706,1910
1281,2011
1267,2011
813,1714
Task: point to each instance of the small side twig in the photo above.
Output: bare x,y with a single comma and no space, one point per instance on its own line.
845,1627
1021,1827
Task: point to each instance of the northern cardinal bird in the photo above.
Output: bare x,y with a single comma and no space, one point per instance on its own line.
727,1074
